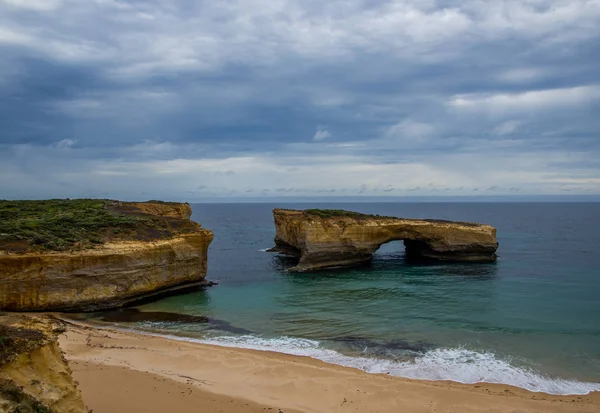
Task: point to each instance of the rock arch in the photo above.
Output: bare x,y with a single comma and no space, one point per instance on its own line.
323,239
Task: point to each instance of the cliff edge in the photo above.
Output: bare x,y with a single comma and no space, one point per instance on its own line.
86,255
334,238
34,376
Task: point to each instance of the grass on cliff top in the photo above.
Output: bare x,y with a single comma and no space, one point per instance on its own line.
17,340
342,213
156,201
339,213
14,341
63,224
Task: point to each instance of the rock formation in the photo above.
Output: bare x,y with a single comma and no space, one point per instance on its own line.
161,209
34,376
167,253
332,238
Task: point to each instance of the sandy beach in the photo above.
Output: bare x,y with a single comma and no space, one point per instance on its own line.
127,372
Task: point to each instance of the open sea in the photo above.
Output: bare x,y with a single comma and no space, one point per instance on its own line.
532,319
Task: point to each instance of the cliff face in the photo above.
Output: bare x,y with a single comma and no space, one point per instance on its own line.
329,239
111,274
34,376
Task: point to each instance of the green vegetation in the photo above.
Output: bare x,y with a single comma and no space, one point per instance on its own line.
5,339
19,401
63,224
60,224
339,213
342,213
16,340
156,201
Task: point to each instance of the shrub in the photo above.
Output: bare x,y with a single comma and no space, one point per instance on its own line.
59,224
339,213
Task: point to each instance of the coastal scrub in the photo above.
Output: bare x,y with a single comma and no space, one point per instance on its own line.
75,224
338,213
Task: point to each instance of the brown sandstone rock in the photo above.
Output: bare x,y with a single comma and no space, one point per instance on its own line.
34,375
112,274
170,210
327,239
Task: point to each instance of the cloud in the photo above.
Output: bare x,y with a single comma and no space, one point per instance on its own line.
347,174
522,75
410,131
321,134
37,5
65,143
419,97
529,100
508,127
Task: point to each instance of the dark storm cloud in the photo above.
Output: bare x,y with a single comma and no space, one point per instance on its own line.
367,97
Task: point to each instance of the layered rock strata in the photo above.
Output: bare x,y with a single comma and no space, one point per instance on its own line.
111,274
34,376
326,239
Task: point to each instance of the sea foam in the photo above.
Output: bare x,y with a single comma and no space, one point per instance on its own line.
454,364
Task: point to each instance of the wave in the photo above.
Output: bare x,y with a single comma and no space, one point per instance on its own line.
454,364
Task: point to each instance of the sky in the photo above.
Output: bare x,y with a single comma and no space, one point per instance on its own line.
192,100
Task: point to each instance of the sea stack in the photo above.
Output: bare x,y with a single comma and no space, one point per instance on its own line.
86,255
323,239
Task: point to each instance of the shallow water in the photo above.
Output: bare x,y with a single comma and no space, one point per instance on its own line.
532,319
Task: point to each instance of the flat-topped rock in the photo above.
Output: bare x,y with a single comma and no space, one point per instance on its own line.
334,238
86,255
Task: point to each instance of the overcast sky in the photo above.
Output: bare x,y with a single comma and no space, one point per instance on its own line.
189,100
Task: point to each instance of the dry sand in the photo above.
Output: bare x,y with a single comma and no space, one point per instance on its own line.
111,389
122,372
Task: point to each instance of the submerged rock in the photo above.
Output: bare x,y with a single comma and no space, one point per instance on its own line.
138,250
134,315
322,239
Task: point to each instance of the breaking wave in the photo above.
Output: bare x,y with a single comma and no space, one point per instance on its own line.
455,364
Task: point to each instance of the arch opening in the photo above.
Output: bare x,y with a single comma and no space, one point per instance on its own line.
390,251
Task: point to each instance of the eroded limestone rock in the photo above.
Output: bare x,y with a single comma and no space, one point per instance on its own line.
111,274
34,375
325,239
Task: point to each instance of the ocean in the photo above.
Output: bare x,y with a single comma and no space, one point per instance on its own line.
532,319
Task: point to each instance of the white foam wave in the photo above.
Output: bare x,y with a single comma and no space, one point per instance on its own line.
458,364
264,249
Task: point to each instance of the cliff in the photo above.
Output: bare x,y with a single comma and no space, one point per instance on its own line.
161,209
98,254
333,238
34,376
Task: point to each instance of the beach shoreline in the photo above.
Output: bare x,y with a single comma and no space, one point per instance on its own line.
234,379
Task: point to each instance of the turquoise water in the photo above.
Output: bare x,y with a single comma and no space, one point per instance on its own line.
532,319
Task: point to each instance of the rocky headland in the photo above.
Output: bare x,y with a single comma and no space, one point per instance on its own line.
34,376
85,255
323,239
